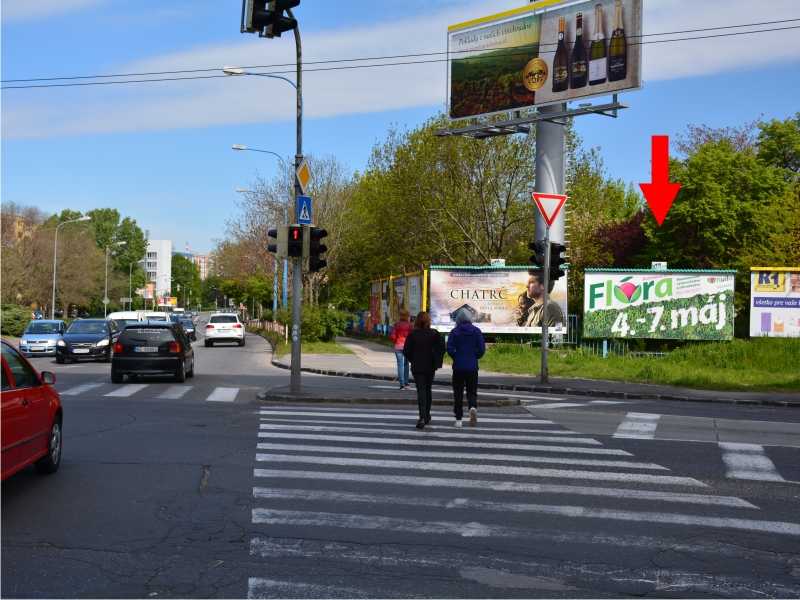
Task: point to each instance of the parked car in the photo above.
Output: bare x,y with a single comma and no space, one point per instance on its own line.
152,348
88,338
40,337
224,328
31,415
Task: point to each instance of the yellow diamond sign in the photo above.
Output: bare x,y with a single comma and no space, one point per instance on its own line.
303,175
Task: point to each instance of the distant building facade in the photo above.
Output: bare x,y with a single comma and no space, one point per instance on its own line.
158,265
204,264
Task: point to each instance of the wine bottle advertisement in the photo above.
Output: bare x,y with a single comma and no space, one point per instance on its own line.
544,53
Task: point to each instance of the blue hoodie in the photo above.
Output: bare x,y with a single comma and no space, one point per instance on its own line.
465,346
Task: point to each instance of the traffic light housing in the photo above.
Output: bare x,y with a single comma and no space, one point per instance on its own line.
556,260
267,18
294,241
538,256
314,248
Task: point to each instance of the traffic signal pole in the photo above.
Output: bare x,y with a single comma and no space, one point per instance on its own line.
297,268
545,299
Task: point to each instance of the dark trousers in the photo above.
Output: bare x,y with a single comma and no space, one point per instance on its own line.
470,380
423,381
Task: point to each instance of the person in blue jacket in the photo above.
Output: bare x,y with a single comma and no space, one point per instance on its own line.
465,346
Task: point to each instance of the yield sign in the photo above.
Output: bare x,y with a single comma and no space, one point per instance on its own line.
549,205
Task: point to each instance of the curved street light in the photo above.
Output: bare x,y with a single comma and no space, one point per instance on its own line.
55,251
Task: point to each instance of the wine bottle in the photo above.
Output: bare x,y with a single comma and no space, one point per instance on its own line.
561,62
618,49
597,51
577,75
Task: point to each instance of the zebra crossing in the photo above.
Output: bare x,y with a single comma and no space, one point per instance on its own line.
339,473
144,390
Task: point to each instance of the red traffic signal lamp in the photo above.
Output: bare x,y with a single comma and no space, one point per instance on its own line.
295,241
556,260
267,18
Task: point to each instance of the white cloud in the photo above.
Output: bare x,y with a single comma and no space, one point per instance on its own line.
23,10
187,104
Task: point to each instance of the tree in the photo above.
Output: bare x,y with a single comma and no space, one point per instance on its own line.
779,146
185,280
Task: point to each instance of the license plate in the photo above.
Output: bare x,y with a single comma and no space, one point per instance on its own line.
37,349
80,351
145,348
224,329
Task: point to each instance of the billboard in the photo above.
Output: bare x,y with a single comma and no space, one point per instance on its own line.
167,301
638,303
775,301
414,295
545,53
501,299
374,305
398,296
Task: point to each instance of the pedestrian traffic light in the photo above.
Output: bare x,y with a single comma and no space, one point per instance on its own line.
294,242
267,18
538,257
315,248
281,248
556,260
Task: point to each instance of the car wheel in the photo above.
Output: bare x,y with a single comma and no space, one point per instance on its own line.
110,354
59,359
180,376
50,461
241,342
116,377
191,371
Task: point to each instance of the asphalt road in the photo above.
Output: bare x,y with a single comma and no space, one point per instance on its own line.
198,490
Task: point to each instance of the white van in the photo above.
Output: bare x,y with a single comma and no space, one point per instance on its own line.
151,315
125,317
178,311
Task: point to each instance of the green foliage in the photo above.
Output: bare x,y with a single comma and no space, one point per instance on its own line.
185,281
779,146
317,323
14,319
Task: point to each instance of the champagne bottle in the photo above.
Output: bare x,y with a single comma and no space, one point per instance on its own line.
618,49
561,62
577,76
597,51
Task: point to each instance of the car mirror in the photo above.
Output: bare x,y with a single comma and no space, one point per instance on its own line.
48,377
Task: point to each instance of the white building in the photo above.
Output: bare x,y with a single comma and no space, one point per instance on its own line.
158,266
204,263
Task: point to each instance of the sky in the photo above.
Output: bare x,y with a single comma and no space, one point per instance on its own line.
161,152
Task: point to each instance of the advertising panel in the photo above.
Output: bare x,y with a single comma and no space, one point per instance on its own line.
775,301
501,299
547,52
414,295
374,306
683,305
386,314
398,296
168,301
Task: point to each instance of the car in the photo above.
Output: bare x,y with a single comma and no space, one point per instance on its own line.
151,315
187,324
40,337
152,348
193,313
88,338
224,328
31,415
122,318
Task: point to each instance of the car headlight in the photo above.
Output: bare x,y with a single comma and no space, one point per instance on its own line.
102,343
60,343
23,341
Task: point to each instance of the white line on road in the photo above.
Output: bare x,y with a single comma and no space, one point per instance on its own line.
127,390
554,405
748,461
222,394
81,389
449,467
637,426
440,433
409,410
174,392
455,444
259,587
407,416
429,427
467,458
480,393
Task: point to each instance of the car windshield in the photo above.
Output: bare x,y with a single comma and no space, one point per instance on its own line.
145,335
43,328
123,322
223,319
187,322
88,327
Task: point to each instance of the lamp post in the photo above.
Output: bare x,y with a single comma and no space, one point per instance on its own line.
297,272
55,251
105,296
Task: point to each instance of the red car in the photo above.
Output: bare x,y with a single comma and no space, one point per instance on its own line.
31,416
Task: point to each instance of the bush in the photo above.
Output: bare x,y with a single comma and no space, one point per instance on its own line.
14,319
317,323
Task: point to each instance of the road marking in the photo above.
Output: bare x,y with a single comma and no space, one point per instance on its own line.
222,394
127,390
420,435
409,411
637,426
475,529
480,393
506,486
457,444
80,389
174,392
556,405
449,467
259,587
463,456
748,461
410,415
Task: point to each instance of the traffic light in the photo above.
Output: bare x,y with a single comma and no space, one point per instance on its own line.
315,248
281,248
538,257
267,18
294,248
556,260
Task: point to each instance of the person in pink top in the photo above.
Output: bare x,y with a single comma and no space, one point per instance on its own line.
400,332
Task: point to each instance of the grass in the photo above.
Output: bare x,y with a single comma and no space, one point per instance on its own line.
759,365
282,348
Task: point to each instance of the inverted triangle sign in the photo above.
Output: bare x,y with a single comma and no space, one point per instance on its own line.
549,205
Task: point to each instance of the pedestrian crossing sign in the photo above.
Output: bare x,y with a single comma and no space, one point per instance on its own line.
304,210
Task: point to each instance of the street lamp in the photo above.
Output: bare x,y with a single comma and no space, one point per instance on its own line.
55,251
105,296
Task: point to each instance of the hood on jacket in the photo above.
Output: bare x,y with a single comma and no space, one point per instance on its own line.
467,328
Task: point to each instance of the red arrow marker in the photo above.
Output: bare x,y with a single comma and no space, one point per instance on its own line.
660,193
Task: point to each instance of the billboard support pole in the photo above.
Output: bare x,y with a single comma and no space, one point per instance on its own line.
545,299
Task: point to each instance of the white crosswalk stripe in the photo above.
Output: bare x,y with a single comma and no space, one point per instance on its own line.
639,426
81,389
127,390
432,427
748,461
222,394
175,392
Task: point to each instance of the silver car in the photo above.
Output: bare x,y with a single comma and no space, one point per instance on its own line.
40,337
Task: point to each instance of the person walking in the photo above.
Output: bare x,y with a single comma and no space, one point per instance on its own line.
424,349
465,345
400,332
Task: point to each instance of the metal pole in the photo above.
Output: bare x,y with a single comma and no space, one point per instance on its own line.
105,306
53,303
545,299
275,292
297,271
551,162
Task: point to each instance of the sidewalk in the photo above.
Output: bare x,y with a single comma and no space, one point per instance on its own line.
375,361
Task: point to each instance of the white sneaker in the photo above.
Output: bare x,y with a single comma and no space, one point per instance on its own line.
473,417
458,423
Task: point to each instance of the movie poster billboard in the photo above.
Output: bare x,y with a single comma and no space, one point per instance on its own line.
398,296
544,53
775,301
638,303
386,309
414,295
501,299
